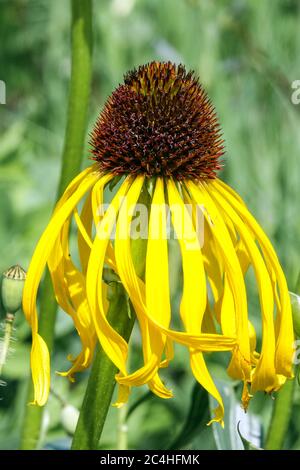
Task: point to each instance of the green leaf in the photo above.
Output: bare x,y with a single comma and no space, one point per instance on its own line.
147,396
247,444
229,438
196,420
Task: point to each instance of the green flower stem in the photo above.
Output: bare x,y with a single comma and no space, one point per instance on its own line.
8,328
281,417
282,409
101,384
81,39
80,85
122,428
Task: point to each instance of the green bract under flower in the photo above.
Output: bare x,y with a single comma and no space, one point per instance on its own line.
160,122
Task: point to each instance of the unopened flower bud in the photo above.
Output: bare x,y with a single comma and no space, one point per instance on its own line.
12,288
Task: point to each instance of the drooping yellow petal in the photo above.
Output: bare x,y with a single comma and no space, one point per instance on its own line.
244,261
136,290
264,376
123,395
82,229
202,375
213,264
113,344
241,356
69,288
194,297
45,245
157,274
205,342
40,369
169,353
231,191
84,238
40,357
284,323
75,282
98,212
208,324
227,317
243,256
151,340
74,184
142,375
252,337
212,261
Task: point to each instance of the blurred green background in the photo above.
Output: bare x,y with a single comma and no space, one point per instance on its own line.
247,56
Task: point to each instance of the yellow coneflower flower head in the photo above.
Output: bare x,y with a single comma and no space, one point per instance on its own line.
159,127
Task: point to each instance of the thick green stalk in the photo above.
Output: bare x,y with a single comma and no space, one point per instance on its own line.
80,85
102,382
281,417
81,40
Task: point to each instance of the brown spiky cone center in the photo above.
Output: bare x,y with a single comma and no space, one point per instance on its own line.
160,122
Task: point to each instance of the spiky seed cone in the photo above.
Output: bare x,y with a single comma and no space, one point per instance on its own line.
160,122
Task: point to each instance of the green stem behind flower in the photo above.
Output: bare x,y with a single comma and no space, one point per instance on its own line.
81,37
102,382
